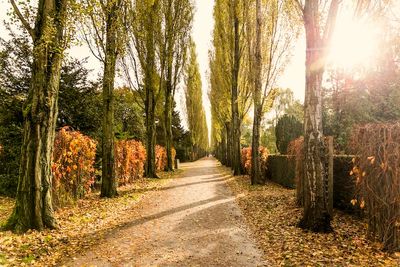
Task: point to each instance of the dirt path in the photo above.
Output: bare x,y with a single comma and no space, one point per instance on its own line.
193,221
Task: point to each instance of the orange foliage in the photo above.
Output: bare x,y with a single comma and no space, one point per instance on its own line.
130,157
73,165
246,158
161,158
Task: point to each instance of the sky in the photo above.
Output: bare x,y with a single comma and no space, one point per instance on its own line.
203,24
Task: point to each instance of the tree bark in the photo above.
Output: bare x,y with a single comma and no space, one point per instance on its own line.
228,144
316,215
150,101
168,126
33,205
236,166
109,183
255,154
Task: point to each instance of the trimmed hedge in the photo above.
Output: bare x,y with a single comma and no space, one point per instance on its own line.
344,185
281,170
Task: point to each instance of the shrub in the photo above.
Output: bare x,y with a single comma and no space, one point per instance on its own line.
246,158
73,166
377,174
161,158
130,157
287,129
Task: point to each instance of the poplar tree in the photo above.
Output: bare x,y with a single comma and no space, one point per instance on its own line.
103,30
194,105
177,17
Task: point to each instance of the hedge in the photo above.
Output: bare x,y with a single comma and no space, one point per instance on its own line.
281,170
344,185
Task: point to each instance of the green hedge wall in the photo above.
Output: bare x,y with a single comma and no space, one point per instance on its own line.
281,170
344,185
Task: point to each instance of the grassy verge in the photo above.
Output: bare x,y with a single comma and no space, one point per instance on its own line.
272,215
81,225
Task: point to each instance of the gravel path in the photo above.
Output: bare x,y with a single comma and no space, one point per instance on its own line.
193,221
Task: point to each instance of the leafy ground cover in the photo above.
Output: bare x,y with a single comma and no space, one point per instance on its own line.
81,225
271,212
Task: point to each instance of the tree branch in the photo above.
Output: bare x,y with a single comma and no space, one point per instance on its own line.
23,20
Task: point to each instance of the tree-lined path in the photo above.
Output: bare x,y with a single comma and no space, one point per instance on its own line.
193,221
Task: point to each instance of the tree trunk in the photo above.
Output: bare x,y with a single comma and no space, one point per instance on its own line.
33,205
150,101
228,145
168,112
109,183
316,215
150,136
236,166
255,154
168,127
168,90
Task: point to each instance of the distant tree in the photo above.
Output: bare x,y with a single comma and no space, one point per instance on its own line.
269,49
194,105
287,129
177,16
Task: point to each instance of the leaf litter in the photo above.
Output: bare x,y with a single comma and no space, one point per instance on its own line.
272,215
81,225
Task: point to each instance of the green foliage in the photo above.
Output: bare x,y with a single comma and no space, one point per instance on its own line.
370,96
287,129
129,122
79,105
268,139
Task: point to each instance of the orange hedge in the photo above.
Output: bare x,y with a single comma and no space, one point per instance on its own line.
130,157
73,166
161,157
246,158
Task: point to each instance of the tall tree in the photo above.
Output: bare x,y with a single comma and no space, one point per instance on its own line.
224,63
104,33
33,206
236,166
177,16
194,105
317,213
269,50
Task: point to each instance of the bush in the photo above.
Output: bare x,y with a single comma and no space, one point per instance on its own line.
281,170
130,157
287,129
246,158
73,166
161,158
377,174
